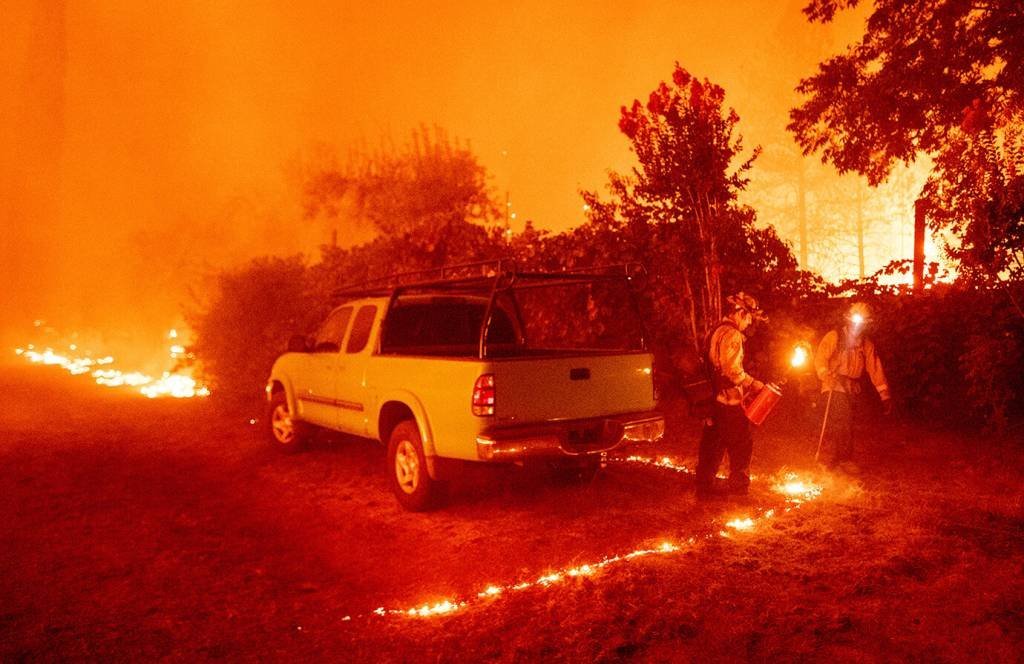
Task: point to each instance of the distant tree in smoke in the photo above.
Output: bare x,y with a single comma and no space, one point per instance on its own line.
426,202
429,187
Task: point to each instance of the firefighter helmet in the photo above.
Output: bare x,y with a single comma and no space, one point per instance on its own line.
743,302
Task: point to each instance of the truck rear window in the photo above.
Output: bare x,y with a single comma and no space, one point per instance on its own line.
532,319
588,316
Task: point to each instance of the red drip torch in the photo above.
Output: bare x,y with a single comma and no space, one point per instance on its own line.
761,404
758,408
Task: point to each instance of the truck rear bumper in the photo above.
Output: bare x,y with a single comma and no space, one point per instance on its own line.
569,438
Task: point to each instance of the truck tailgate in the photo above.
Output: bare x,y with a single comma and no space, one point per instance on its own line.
540,389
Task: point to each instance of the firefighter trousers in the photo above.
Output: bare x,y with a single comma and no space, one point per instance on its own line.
839,428
729,432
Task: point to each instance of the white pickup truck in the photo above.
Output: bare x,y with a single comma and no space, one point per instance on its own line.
468,368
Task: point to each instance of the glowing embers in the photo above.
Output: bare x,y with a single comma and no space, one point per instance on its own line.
174,385
741,524
178,384
115,378
663,462
75,366
492,591
795,490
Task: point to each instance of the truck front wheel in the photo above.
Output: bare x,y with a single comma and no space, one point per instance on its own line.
286,433
407,468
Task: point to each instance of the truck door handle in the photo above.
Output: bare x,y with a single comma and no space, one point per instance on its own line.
581,373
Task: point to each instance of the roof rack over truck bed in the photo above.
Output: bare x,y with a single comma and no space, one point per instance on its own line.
483,275
486,278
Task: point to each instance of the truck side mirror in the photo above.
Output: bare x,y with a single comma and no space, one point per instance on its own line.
298,344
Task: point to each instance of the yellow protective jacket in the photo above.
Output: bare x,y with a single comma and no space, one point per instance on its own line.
842,359
725,352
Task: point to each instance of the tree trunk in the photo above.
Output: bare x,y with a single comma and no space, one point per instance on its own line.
801,195
693,311
860,230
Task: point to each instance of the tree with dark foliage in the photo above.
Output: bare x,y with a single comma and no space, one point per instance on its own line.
677,212
977,191
942,78
901,91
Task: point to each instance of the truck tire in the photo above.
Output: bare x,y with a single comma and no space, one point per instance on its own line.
407,470
286,434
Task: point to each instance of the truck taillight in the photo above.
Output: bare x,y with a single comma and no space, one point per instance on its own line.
483,395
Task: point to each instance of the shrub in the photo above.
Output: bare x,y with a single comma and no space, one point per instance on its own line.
991,366
951,356
248,322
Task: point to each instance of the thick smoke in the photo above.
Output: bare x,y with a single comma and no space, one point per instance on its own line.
146,145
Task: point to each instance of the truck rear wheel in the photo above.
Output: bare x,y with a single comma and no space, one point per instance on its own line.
407,469
285,433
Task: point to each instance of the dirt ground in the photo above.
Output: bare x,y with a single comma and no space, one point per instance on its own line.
136,529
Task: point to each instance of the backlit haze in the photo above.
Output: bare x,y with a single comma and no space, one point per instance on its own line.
147,145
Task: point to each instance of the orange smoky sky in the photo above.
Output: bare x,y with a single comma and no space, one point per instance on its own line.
146,144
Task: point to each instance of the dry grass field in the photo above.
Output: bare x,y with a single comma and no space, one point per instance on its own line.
137,530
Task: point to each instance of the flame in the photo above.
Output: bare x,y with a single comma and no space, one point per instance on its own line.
664,462
741,524
799,357
174,385
796,491
438,609
74,366
179,385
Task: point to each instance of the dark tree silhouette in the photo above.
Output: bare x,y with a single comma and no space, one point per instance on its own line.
942,78
907,84
678,212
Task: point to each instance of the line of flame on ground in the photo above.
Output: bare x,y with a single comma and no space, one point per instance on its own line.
794,490
665,463
170,384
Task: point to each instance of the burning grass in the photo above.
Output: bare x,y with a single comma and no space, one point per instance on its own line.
794,490
177,383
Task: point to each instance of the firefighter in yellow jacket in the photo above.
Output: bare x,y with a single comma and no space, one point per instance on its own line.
843,356
728,429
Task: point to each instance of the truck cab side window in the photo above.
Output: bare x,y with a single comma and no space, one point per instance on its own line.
328,338
361,329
